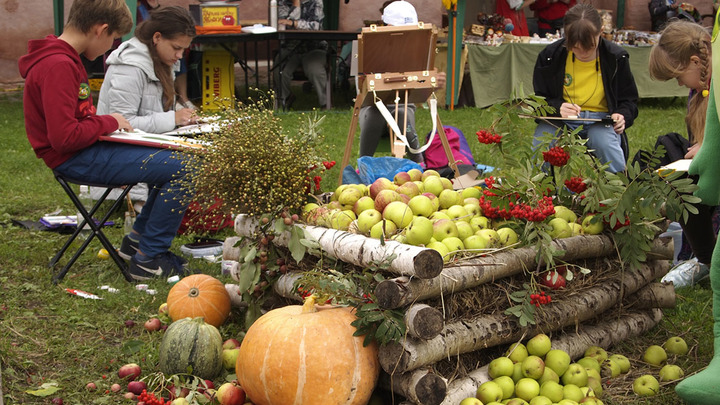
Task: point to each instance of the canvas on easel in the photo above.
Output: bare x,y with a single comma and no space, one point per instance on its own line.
395,64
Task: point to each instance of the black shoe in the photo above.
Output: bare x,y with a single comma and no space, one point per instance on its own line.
128,248
163,265
288,102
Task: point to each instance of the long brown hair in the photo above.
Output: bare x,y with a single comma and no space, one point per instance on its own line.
170,22
670,57
582,26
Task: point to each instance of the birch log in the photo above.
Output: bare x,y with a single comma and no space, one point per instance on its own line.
421,387
494,329
230,252
606,333
284,286
402,291
653,295
359,250
423,321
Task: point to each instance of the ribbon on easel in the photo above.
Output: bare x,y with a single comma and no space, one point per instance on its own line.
432,103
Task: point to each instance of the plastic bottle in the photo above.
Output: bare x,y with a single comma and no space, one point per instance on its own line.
129,222
273,14
87,202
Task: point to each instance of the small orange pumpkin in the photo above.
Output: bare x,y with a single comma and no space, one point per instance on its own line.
199,295
301,355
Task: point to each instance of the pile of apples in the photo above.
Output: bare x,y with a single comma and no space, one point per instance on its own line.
422,209
535,374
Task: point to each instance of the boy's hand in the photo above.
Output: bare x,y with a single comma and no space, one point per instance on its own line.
568,110
123,124
619,123
185,116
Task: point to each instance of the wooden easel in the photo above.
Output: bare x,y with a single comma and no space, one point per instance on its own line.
395,49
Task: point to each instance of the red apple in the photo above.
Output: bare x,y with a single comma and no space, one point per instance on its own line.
129,372
208,385
137,387
115,387
153,324
91,386
552,279
129,395
230,394
180,392
57,401
231,344
228,20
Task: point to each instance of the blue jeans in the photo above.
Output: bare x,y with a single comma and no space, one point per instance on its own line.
602,139
162,169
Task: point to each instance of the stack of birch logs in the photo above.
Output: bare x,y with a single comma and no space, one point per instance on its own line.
626,303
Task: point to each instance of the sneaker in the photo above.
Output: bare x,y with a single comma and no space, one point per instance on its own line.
687,273
128,248
164,265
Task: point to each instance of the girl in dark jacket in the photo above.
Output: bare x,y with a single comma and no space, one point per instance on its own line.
586,76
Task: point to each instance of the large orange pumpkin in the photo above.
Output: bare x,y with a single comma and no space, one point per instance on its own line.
199,295
298,355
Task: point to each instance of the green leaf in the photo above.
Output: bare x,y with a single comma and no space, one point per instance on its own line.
131,347
45,390
297,250
247,275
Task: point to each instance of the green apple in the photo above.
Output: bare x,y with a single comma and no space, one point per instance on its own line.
410,189
439,215
541,400
491,236
540,344
349,196
399,238
421,185
475,242
362,188
517,372
610,369
515,401
575,374
552,390
669,372
655,356
676,345
507,384
384,229
565,213
364,203
489,391
572,392
453,243
501,366
444,228
507,236
567,402
421,205
433,198
533,367
336,194
470,400
402,178
433,185
517,352
457,212
367,219
464,230
384,198
449,197
429,173
589,363
596,385
472,209
419,231
596,352
575,228
229,358
441,248
471,192
622,361
479,223
179,401
592,225
527,389
646,386
559,228
341,220
447,184
591,372
549,375
398,212
415,174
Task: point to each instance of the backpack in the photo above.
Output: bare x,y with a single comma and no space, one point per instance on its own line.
435,154
675,145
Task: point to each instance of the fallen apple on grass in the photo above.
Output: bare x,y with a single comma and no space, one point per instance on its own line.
129,372
153,325
676,345
230,394
646,386
136,387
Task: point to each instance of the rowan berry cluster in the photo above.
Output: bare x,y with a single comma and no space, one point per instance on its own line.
149,398
540,299
489,181
556,156
329,165
488,137
576,185
544,209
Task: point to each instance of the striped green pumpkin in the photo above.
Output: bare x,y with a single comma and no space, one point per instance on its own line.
191,346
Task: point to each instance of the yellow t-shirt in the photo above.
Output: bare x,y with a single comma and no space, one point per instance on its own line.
583,84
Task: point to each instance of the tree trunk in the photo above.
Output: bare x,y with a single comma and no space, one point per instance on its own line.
421,387
494,329
606,333
401,291
423,321
653,295
360,250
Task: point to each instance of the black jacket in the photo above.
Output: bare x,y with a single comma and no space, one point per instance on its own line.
620,90
659,13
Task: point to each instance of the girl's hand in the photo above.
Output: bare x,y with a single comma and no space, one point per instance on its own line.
619,123
185,116
569,110
123,124
692,151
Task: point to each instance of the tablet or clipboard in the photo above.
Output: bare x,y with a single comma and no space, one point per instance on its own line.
164,141
607,120
681,165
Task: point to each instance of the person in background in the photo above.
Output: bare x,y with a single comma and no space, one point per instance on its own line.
550,14
64,129
661,11
586,76
515,11
301,15
683,52
372,123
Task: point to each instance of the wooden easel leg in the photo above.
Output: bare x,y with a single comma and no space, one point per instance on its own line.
446,148
351,133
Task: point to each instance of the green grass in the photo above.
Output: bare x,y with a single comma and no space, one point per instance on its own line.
47,335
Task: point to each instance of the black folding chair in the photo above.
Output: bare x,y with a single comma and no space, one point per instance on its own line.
87,218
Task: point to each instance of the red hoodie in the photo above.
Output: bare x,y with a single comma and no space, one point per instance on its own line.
60,117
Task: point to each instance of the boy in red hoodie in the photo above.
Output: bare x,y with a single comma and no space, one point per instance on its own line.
63,129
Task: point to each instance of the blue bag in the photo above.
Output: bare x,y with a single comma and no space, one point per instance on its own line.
372,168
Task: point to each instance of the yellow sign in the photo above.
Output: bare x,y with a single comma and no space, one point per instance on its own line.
214,16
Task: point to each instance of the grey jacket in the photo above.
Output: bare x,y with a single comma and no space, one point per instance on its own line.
132,89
